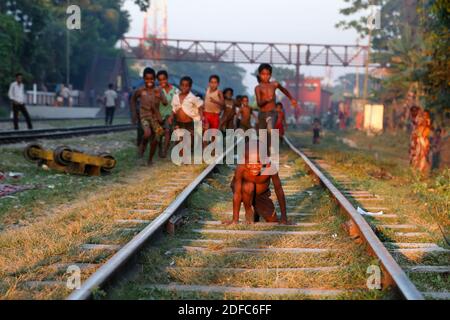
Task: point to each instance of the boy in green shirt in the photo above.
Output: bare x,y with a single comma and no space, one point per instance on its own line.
166,111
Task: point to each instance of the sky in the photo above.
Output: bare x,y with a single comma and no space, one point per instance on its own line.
297,21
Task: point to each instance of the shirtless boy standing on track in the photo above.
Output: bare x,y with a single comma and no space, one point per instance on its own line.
251,186
266,98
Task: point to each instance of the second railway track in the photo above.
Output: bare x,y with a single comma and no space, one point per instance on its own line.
9,137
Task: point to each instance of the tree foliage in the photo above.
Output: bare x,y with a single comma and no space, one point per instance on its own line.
11,45
435,21
412,45
33,37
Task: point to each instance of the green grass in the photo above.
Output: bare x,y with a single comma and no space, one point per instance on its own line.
4,112
86,211
53,187
380,165
211,200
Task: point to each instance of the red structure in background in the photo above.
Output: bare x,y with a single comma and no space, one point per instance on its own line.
314,100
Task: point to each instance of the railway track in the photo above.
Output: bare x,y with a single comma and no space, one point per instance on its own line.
312,257
9,137
5,120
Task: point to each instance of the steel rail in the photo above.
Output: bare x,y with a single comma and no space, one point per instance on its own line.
125,254
120,258
31,135
34,131
60,119
394,271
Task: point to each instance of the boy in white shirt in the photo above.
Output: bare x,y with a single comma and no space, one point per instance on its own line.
186,106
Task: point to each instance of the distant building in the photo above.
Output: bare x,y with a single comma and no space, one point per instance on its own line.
314,100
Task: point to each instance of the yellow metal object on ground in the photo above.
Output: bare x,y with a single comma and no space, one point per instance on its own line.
70,161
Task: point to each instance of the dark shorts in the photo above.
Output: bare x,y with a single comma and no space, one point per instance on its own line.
316,133
262,206
245,125
267,120
185,125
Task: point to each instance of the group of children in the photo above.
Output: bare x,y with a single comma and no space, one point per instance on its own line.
159,110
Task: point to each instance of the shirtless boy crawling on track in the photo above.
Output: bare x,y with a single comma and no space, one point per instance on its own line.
251,186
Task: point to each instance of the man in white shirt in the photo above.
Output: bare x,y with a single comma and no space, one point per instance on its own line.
16,94
110,104
65,94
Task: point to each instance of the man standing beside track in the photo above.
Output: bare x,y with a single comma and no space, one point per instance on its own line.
17,96
110,104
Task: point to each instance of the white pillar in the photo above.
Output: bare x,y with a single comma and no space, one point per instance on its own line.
34,93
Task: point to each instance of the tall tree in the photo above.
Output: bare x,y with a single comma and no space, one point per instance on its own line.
394,15
11,46
435,21
42,55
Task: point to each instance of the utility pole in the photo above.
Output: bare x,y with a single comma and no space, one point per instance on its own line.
370,24
67,53
366,77
357,76
297,75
